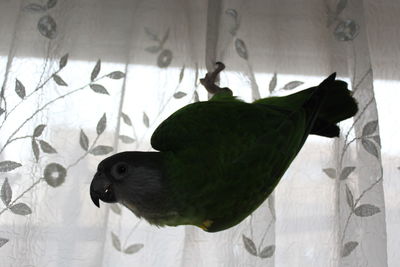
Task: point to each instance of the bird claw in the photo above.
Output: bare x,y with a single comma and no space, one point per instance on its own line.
209,80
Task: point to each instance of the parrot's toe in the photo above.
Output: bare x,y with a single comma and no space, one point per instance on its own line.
206,224
209,80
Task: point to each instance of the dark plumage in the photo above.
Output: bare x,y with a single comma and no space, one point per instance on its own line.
219,160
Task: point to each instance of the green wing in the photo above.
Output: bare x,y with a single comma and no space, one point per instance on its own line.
226,157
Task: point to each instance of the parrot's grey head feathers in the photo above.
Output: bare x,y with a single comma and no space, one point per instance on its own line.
133,179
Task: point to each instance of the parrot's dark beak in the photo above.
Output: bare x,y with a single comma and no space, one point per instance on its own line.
101,189
96,188
95,198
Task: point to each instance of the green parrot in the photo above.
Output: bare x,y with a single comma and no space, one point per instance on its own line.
218,160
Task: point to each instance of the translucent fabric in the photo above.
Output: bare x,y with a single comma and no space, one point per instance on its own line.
82,80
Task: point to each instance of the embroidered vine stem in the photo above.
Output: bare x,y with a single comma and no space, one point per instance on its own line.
11,139
131,232
357,86
346,143
265,233
255,92
41,179
163,108
346,146
29,95
358,200
85,154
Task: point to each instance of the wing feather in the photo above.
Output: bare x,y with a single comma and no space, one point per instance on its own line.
222,145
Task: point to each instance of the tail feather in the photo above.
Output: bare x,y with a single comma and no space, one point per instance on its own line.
337,105
326,104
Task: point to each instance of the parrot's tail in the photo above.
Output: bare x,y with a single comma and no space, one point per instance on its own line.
332,102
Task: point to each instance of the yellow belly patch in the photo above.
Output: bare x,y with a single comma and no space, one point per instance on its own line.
206,224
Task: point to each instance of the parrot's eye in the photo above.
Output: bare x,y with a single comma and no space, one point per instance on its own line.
120,170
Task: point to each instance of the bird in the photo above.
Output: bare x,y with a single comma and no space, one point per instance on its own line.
216,161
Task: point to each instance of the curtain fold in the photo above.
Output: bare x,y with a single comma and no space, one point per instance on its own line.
361,197
82,80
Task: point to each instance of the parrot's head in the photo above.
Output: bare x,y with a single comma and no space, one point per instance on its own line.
128,178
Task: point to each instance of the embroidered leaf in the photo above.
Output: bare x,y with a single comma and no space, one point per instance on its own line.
96,70
165,37
51,3
234,15
32,7
20,89
84,140
63,61
179,94
231,12
6,192
115,208
98,88
115,241
47,27
349,198
377,139
370,147
126,139
366,210
35,149
348,248
182,73
116,75
341,5
267,252
370,128
21,209
101,124
241,48
39,130
3,241
46,147
101,150
146,120
346,172
126,119
7,165
249,245
151,35
292,85
272,83
59,80
331,172
154,49
132,249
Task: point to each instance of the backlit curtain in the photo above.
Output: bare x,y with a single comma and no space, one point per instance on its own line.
83,79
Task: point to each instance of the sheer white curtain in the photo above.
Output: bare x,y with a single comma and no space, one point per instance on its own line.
82,80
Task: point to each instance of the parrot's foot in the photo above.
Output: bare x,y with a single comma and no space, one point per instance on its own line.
209,81
206,224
